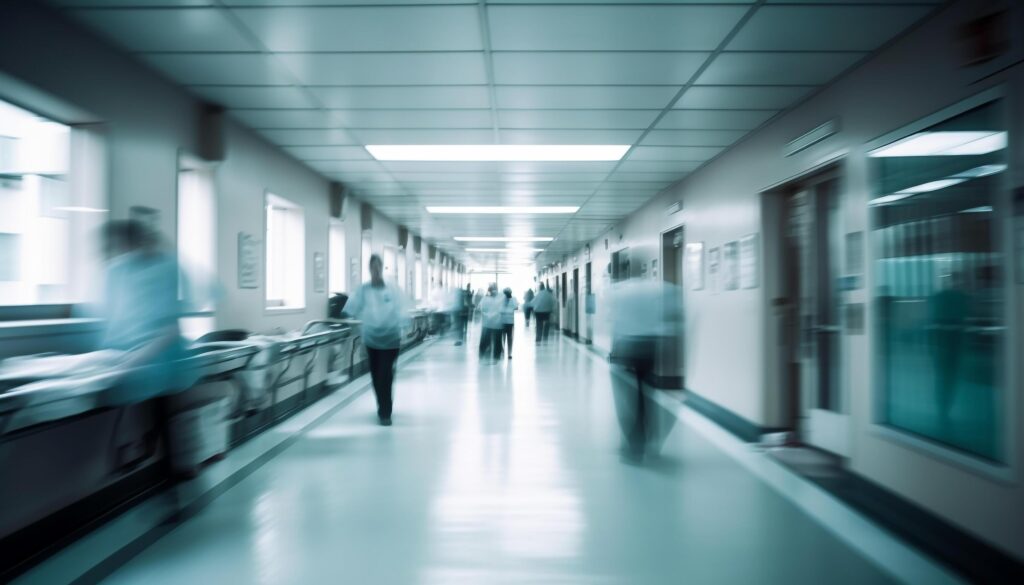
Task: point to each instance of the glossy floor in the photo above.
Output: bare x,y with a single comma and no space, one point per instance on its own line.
498,474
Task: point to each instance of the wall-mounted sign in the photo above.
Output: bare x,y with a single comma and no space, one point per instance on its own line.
731,266
248,261
748,262
319,273
714,266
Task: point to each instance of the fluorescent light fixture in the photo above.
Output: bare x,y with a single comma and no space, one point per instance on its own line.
75,209
981,209
505,250
497,152
957,143
503,239
931,186
889,198
503,209
982,171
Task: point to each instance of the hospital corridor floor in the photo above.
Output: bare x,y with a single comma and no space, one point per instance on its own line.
497,474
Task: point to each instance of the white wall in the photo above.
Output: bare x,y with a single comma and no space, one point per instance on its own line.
727,345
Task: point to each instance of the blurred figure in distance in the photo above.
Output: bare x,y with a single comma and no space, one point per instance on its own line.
491,327
508,319
528,306
543,304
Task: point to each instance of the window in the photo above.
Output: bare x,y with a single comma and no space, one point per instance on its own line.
390,260
40,261
400,270
336,253
940,283
286,251
197,235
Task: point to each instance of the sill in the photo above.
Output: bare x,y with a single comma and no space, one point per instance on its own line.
1000,472
284,310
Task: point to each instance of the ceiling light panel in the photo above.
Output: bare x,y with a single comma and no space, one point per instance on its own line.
498,152
510,239
519,210
955,143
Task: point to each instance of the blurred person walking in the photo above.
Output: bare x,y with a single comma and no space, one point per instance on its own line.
461,313
528,306
490,316
508,319
382,309
543,304
644,314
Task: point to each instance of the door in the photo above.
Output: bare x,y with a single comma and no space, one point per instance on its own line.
574,309
588,305
669,366
815,249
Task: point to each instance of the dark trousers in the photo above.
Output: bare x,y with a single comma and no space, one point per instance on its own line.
527,311
506,337
490,342
382,372
543,322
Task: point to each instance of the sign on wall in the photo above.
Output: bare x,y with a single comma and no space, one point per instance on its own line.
713,269
748,262
731,266
248,261
319,273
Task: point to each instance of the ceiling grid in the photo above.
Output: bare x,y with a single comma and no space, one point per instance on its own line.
677,81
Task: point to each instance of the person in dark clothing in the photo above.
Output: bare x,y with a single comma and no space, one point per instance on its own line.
543,304
508,319
528,306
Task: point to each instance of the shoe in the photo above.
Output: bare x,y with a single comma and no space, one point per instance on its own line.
510,356
385,422
458,343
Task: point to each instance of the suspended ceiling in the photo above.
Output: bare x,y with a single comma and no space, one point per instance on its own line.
679,81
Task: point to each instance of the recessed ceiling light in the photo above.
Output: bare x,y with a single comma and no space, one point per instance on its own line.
75,209
502,239
504,250
497,152
932,186
889,198
944,144
504,209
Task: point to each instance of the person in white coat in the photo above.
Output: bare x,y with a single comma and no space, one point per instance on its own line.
383,310
490,333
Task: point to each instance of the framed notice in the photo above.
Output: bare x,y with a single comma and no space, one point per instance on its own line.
694,262
748,262
248,261
731,266
319,273
714,266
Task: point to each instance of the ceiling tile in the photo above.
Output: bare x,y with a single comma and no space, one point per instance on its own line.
466,96
658,166
776,68
714,119
610,28
347,166
563,119
654,178
569,136
742,97
140,3
421,136
584,96
311,153
692,137
167,29
825,28
596,68
387,68
380,28
221,68
683,153
255,97
309,137
278,118
412,119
